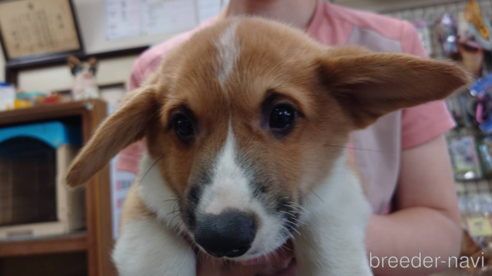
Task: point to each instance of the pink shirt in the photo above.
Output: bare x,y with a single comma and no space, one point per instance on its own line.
377,149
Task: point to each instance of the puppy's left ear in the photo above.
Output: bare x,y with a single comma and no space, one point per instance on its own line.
127,125
369,85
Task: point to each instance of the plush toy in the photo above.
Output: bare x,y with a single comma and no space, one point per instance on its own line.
84,85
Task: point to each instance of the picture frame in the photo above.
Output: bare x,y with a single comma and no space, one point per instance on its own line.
34,31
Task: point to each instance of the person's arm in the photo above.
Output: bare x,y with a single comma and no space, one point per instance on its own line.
427,220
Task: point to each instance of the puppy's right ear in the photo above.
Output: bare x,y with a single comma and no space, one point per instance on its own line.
368,85
124,127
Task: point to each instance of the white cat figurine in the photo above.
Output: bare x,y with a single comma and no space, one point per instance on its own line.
85,84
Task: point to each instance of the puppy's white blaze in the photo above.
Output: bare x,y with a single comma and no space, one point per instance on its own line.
230,186
229,49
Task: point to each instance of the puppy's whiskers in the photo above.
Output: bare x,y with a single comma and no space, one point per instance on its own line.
316,195
293,227
297,207
150,168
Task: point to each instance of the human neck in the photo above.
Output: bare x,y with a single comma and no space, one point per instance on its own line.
297,13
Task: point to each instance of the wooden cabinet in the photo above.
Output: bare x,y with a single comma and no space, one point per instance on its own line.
92,246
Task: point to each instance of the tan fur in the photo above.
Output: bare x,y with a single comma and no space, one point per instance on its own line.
134,208
353,167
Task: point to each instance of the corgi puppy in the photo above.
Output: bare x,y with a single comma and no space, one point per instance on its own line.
245,125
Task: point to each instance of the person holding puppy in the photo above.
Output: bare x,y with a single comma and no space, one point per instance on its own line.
403,158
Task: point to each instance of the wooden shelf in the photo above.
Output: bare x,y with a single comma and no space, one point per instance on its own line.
45,112
59,244
97,242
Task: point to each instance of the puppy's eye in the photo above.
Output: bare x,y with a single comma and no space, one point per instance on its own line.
183,127
282,118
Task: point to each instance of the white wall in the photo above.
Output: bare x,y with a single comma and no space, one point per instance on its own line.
92,22
58,78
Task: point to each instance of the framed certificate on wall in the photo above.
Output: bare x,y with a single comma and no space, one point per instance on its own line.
33,30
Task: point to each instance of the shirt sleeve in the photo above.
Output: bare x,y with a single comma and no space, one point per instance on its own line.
422,123
136,75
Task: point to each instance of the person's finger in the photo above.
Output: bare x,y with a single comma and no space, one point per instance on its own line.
216,267
291,270
208,267
285,264
240,270
283,254
278,263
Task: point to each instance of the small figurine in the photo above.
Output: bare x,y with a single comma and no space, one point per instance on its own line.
84,85
447,34
480,25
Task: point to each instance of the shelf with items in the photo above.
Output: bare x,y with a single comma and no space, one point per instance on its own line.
73,242
470,143
56,264
452,32
44,113
97,240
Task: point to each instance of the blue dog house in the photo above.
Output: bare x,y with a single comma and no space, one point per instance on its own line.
34,201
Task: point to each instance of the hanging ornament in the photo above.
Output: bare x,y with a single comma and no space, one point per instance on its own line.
480,26
447,35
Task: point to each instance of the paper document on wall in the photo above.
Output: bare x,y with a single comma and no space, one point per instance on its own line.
37,27
123,19
208,9
168,16
133,18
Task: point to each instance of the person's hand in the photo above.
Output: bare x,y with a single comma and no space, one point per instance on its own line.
279,263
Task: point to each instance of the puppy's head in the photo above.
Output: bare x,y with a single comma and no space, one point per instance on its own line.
244,118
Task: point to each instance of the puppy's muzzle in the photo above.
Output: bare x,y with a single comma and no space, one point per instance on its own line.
229,234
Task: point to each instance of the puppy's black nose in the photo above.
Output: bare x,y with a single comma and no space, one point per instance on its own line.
229,234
